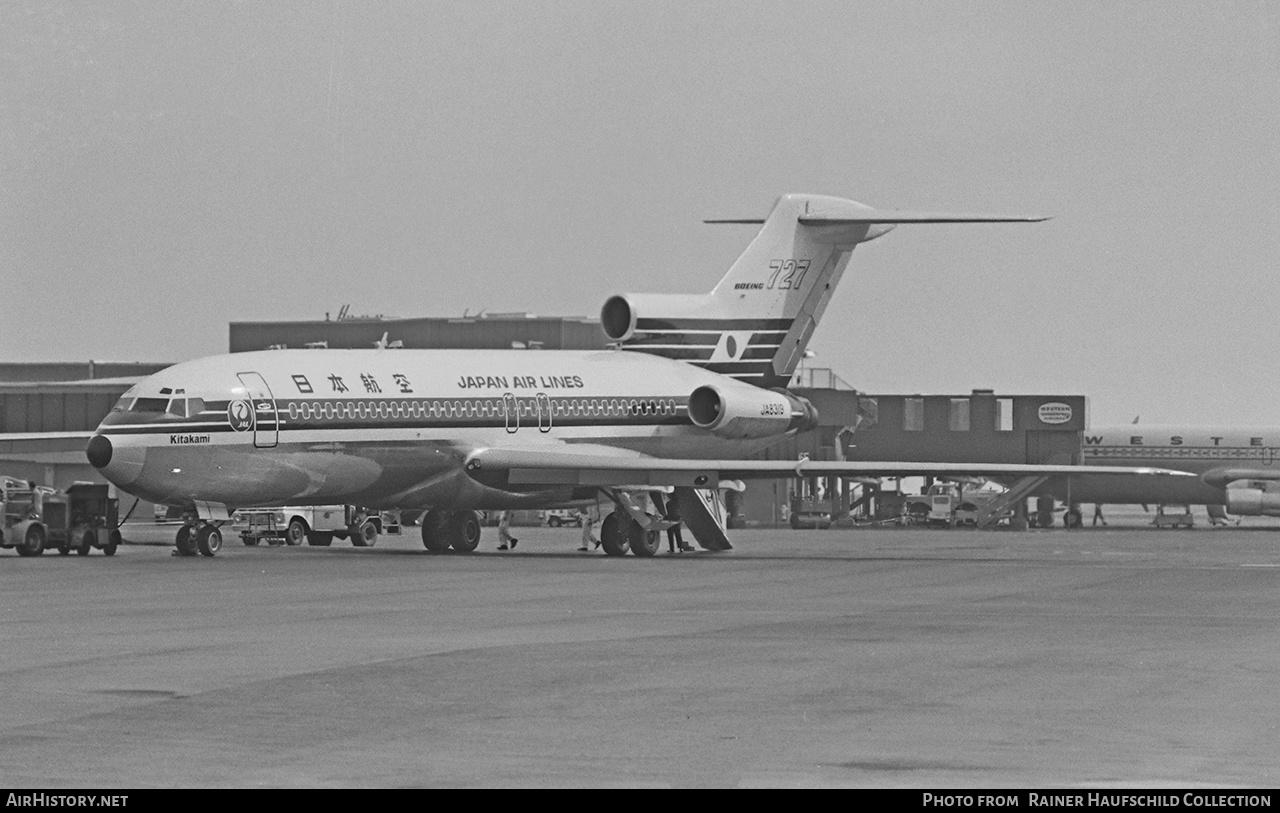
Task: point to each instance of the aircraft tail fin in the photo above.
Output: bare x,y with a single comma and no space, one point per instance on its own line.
755,324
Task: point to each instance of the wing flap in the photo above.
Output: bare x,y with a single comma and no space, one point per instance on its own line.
49,448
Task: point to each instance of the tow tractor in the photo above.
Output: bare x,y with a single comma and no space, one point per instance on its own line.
91,520
35,517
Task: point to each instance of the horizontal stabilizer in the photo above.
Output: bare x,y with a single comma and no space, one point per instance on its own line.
873,216
885,216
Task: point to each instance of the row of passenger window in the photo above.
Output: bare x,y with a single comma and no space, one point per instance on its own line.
482,408
1176,451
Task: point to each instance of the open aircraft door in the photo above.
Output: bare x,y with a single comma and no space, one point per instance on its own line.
266,422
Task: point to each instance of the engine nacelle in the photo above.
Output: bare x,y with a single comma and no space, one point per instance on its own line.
620,313
1253,502
744,411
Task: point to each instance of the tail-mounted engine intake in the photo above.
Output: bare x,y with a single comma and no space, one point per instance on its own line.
749,412
618,318
1253,502
621,314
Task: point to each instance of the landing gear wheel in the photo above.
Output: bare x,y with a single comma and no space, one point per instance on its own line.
613,534
365,536
464,531
435,536
1072,519
643,543
86,543
113,541
209,540
186,543
32,542
320,539
296,533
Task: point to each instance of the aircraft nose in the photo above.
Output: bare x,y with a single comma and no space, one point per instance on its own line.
121,465
98,451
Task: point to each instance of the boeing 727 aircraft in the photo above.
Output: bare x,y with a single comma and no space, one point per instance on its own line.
694,387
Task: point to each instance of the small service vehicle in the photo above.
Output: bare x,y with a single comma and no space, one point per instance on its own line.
936,506
314,524
804,513
1174,517
556,517
947,504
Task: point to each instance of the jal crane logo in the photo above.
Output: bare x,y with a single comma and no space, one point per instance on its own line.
240,415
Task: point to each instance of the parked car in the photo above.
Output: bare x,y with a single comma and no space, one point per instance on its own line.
556,517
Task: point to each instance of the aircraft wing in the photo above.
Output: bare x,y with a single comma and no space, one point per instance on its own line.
615,467
44,447
1219,478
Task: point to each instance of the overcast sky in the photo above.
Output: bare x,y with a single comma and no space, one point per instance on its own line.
167,167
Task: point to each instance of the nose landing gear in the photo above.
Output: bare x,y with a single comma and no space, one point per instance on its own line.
199,537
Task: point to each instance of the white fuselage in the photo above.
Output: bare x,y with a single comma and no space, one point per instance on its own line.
392,428
1196,449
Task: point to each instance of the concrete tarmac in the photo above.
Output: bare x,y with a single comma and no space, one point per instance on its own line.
905,658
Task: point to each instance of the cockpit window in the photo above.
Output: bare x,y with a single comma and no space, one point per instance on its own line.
123,404
185,407
150,405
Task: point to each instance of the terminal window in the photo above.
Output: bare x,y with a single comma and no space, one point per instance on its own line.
1004,414
913,415
959,418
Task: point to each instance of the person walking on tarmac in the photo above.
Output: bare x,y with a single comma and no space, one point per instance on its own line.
588,539
674,539
1097,514
505,539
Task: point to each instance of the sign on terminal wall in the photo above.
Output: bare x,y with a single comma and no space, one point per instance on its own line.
1055,413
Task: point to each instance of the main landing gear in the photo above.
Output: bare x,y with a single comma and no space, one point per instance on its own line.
442,530
620,533
203,538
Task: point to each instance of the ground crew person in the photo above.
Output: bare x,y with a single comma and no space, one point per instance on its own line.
588,539
505,539
674,539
